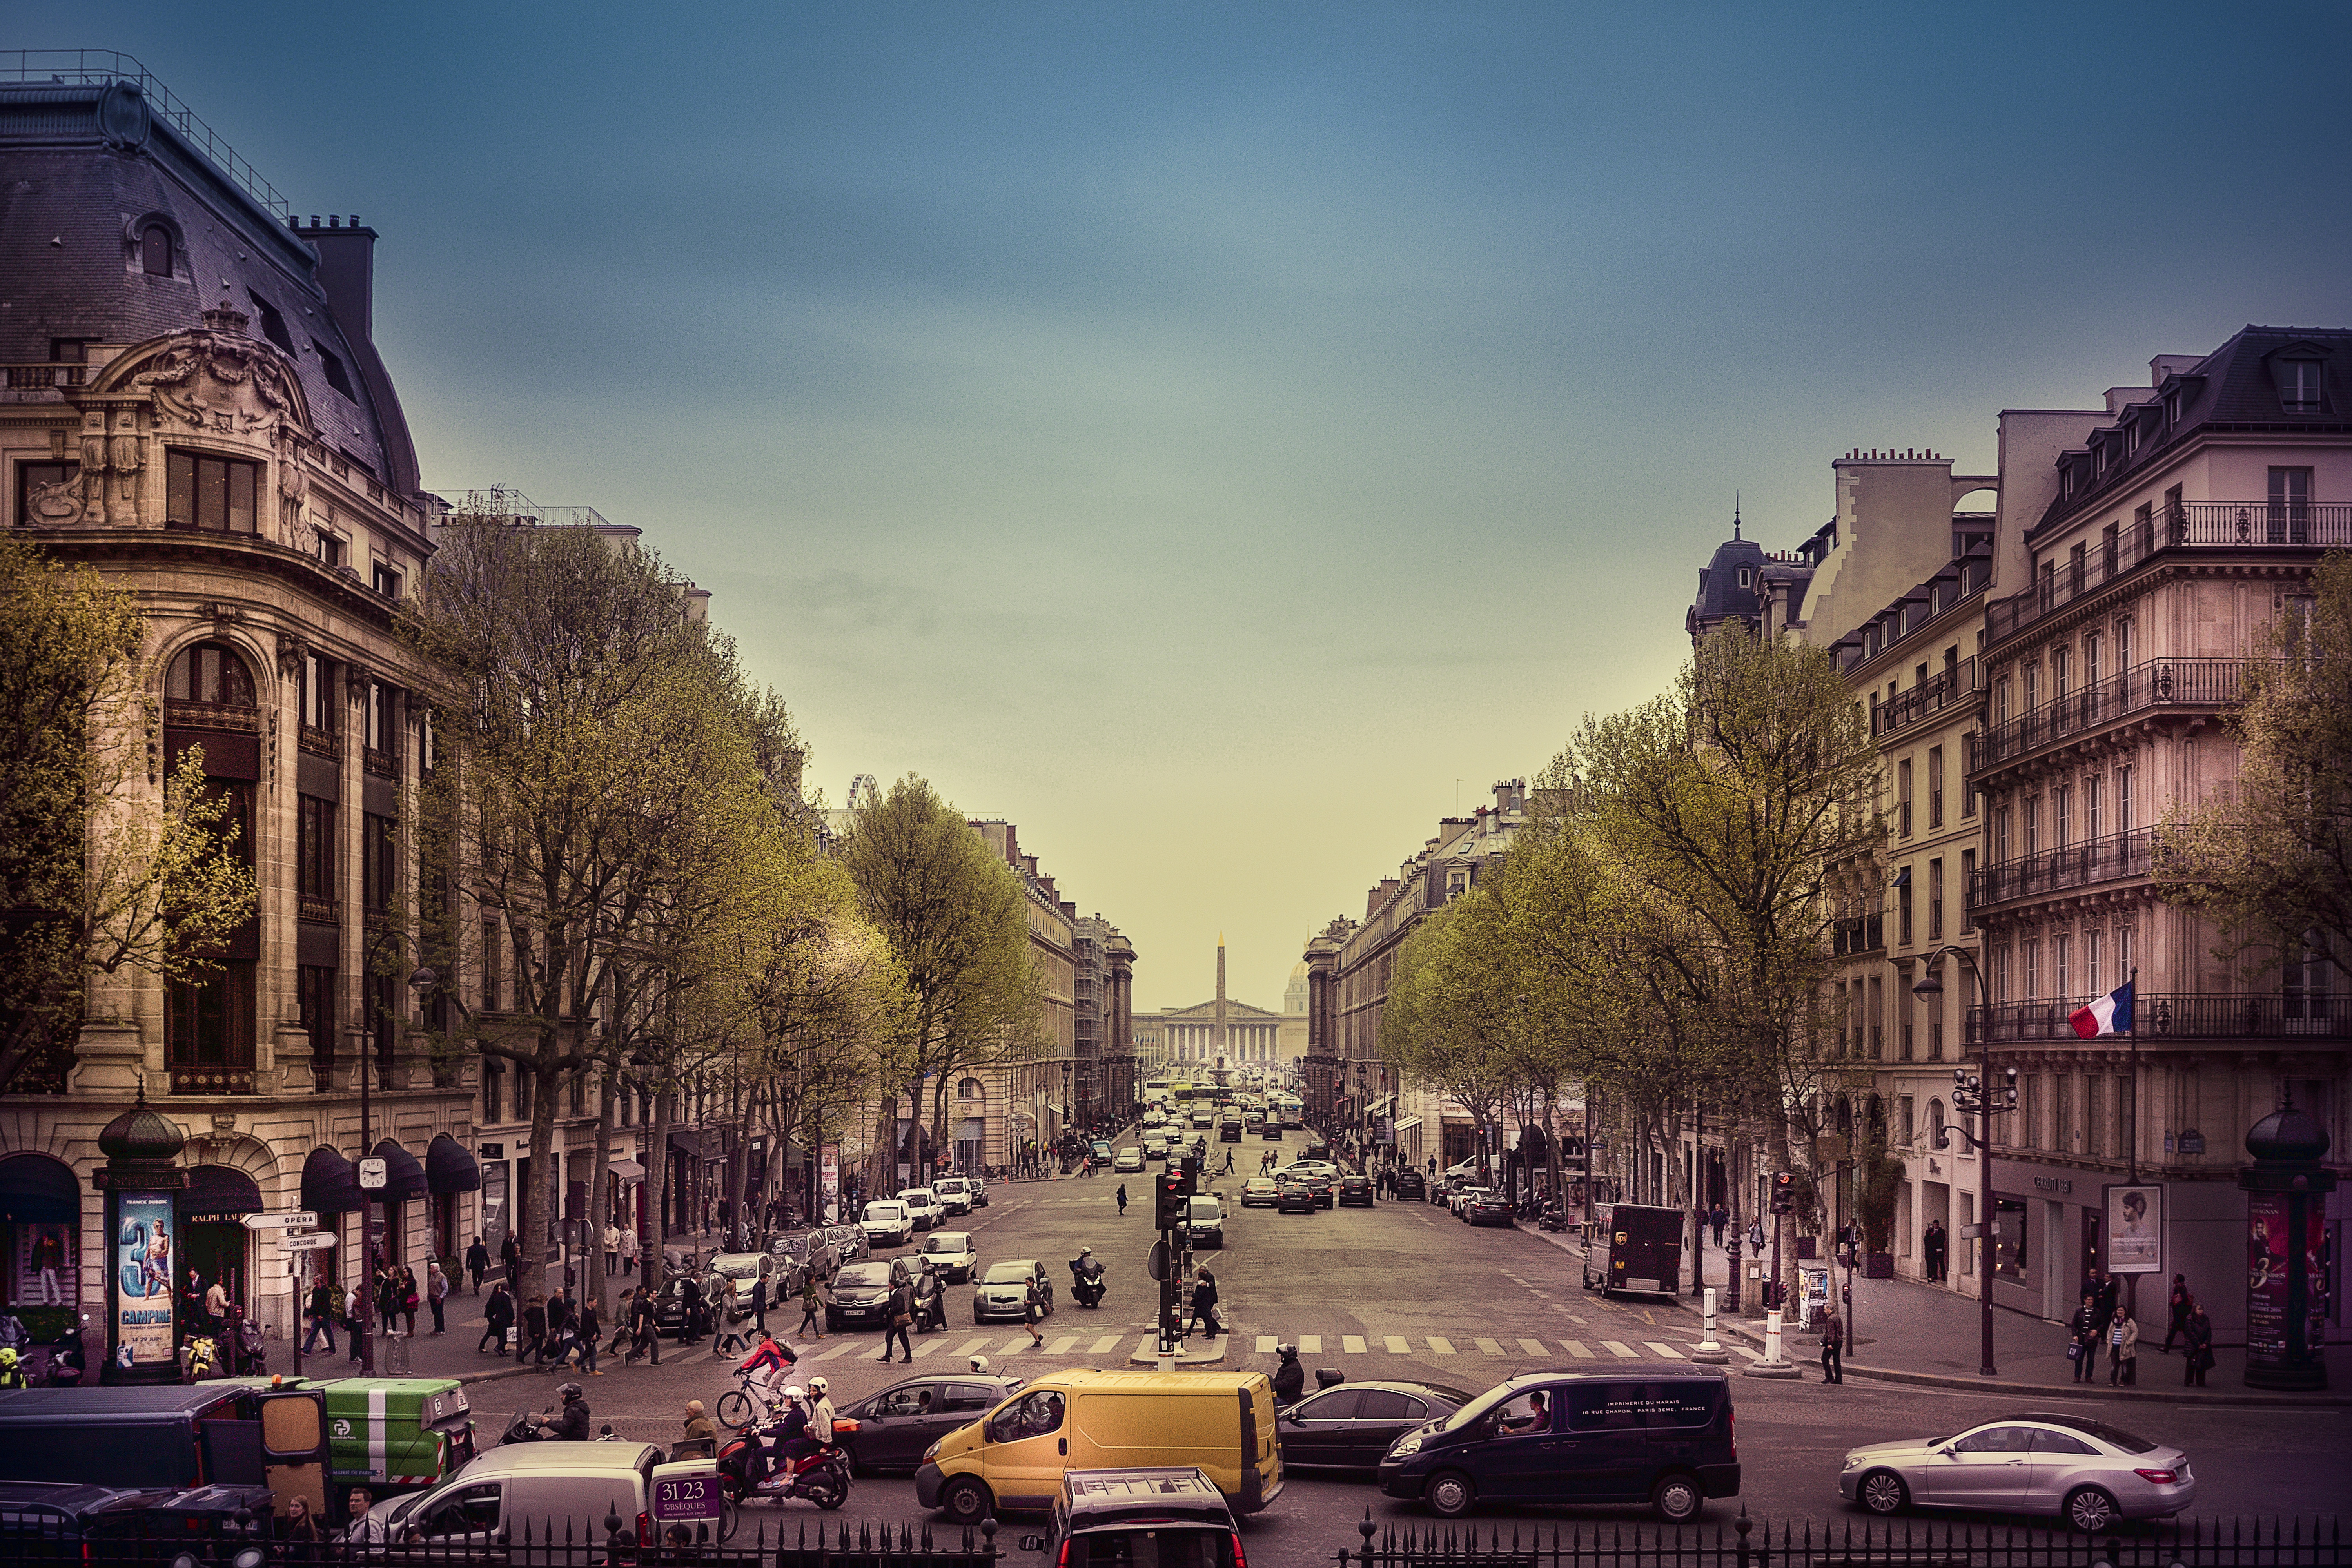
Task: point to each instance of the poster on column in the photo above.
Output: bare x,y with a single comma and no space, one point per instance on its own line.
2135,1229
142,1271
829,1181
2267,1276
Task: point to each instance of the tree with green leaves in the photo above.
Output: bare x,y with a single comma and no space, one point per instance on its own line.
96,874
2269,860
957,917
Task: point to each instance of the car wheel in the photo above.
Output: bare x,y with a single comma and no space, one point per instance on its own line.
1883,1493
1450,1494
1677,1498
965,1500
2089,1510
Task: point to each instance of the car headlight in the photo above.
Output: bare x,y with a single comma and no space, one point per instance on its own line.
933,1451
1406,1447
1851,1461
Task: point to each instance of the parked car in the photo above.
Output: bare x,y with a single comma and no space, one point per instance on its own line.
1459,1196
1296,1197
978,1191
861,1297
1409,1185
886,1223
922,1206
951,1253
1659,1432
895,1427
1127,1161
2088,1473
1351,1426
1355,1190
555,1492
954,1194
1260,1192
1004,1290
1206,1220
1484,1207
1167,1516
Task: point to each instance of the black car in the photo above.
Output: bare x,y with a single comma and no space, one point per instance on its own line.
896,1425
1296,1197
1351,1426
1354,1190
1271,1131
1641,1432
861,1297
673,1318
1486,1208
1411,1184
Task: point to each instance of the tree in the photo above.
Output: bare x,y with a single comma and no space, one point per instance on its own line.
2268,860
957,917
1453,1017
96,875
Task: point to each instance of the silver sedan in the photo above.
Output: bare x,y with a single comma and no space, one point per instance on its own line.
2084,1470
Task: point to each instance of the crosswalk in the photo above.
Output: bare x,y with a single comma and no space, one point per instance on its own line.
1519,1347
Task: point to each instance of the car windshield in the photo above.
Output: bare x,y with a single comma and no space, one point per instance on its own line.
862,1274
1009,1274
1207,1208
948,1241
1475,1409
917,1195
885,1210
741,1266
2129,1442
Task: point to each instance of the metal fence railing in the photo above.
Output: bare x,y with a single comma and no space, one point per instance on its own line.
1744,1542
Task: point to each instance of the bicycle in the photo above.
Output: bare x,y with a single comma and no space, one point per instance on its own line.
747,1403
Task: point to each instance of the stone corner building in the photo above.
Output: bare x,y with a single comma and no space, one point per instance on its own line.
194,407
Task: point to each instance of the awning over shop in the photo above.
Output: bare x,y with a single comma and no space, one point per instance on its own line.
451,1166
690,1144
404,1178
1408,1124
331,1184
37,1190
216,1194
626,1170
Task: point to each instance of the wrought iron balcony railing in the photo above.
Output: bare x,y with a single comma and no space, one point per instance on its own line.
2181,1015
2160,683
2083,865
1956,688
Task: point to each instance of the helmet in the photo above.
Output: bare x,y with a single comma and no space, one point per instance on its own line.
7,1356
980,1363
569,1392
818,1385
796,1392
1287,1352
1086,1252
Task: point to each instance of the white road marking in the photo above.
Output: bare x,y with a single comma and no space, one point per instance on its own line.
1351,1345
1623,1353
1575,1348
1664,1350
1104,1345
1533,1347
1063,1345
839,1350
927,1346
1396,1346
969,1346
1488,1347
1440,1346
1265,1345
1311,1345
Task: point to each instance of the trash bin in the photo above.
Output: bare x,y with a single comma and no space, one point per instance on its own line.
396,1355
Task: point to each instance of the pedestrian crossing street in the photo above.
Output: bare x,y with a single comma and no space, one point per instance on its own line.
1097,1345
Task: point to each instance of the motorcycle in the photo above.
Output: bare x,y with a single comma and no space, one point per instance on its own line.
930,1304
820,1476
1086,1287
1552,1218
524,1429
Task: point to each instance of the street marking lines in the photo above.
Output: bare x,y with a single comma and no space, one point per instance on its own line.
1351,1345
1623,1353
1574,1318
1488,1347
970,1346
1440,1346
1667,1350
1311,1345
1575,1348
1265,1345
1062,1346
1533,1347
1146,1345
927,1346
1104,1345
839,1350
1395,1345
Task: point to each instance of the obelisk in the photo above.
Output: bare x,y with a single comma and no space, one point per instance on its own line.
1217,1045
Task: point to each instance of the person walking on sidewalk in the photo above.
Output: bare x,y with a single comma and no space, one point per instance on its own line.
497,1317
587,1327
477,1263
1931,1251
1832,1344
2123,1349
812,1303
534,1330
1717,1218
323,1318
510,1254
2198,1358
2177,1306
2082,1338
436,1290
1204,1302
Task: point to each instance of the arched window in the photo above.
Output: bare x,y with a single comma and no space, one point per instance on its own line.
970,1090
209,673
1943,1139
155,250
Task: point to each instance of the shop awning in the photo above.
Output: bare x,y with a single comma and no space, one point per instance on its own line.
404,1178
216,1194
451,1166
37,1190
626,1170
1408,1124
331,1184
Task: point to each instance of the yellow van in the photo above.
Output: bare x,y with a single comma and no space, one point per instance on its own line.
1013,1458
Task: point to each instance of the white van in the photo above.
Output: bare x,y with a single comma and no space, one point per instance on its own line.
923,1207
886,1223
954,1194
520,1495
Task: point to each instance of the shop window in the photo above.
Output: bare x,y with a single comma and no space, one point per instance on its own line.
2009,1247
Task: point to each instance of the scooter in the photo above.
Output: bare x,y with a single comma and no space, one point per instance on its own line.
1552,1218
930,1305
820,1476
1086,1287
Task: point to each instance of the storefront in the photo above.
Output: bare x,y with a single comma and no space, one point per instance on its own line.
330,1189
40,1233
215,1245
450,1172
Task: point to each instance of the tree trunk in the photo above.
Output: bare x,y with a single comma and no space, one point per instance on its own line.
537,1227
600,1181
654,1231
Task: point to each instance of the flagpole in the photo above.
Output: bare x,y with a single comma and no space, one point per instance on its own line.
2132,1147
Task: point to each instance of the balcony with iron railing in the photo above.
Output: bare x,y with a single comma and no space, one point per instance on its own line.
1858,934
179,713
2189,527
2164,683
2083,865
1954,689
2180,1015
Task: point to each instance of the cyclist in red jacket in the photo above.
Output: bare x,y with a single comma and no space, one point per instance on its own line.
769,1361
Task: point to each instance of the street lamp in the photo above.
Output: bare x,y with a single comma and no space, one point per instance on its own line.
1977,1092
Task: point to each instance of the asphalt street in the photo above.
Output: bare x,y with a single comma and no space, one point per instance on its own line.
1405,1291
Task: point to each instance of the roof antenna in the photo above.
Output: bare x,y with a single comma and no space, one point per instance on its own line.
1735,514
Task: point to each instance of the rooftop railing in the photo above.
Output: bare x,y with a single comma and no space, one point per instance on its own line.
96,68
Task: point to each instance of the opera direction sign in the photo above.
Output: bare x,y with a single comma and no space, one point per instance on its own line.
283,1219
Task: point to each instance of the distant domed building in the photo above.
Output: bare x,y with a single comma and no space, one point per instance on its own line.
1727,586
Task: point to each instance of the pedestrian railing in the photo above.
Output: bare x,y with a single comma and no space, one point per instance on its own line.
1744,1542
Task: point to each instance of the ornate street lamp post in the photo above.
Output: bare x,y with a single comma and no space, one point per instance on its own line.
1977,1092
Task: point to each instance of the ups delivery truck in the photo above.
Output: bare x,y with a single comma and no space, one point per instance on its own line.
1642,1250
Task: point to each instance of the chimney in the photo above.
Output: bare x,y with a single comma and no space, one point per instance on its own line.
347,277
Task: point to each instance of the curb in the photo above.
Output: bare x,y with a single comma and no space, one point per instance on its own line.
1738,1330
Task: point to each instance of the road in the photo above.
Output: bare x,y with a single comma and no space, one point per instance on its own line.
1403,1290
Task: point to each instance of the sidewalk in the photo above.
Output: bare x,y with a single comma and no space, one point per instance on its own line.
1904,1331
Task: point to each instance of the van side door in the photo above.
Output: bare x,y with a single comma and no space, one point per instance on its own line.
464,1519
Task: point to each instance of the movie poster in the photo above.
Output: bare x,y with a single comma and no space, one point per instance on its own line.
2266,1276
143,1282
2135,1230
829,1177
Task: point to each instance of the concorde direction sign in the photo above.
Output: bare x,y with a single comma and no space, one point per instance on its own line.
307,1241
282,1220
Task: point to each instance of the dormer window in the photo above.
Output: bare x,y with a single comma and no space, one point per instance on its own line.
336,376
2299,383
2171,410
2131,437
155,250
273,325
1748,577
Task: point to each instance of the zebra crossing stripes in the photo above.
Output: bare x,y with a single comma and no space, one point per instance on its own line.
1577,1349
1667,1351
1104,1345
1395,1344
1265,1345
840,1350
971,1345
1488,1347
1062,1346
1351,1345
1533,1347
1311,1345
1623,1353
1440,1346
927,1346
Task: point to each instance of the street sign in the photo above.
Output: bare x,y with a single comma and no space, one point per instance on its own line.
307,1241
283,1219
371,1173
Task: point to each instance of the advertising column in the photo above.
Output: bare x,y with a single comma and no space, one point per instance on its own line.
829,1182
140,1178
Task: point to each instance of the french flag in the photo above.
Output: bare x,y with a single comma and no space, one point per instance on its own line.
2110,1015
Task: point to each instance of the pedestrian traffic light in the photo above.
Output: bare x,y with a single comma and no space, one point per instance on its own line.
1168,1198
1784,1193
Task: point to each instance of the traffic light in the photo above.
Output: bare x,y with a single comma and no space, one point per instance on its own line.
1784,1193
1168,1198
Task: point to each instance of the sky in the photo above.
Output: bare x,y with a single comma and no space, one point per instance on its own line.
1224,440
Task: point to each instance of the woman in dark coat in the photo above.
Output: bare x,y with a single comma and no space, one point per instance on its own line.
2201,1346
534,1328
